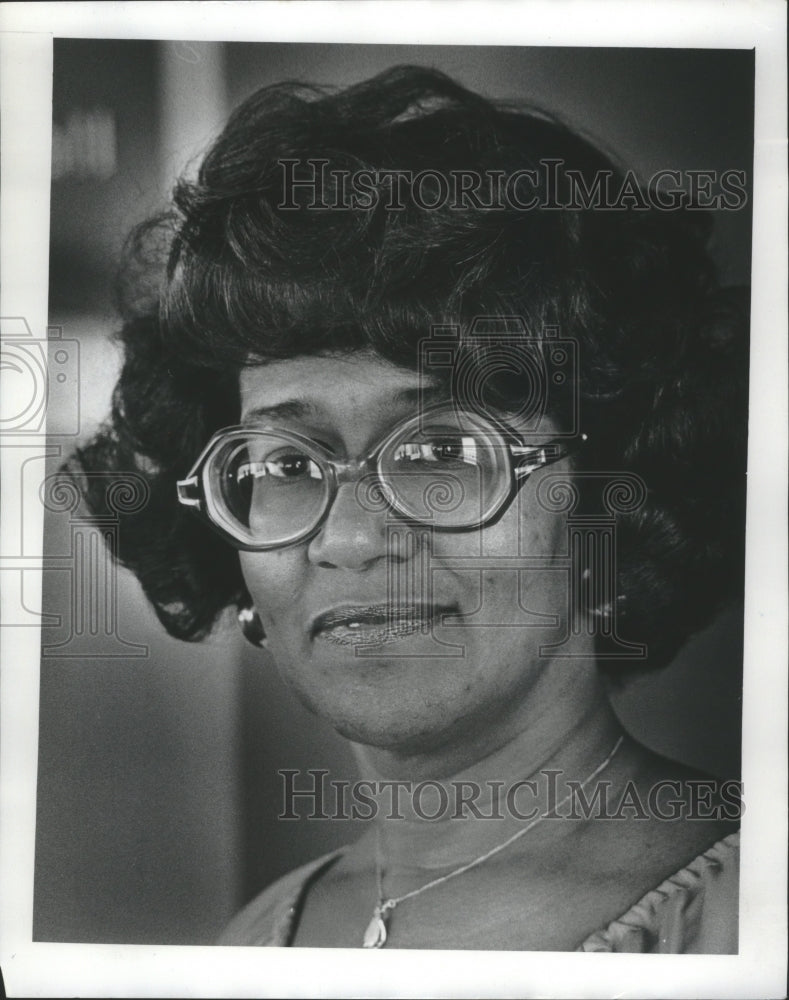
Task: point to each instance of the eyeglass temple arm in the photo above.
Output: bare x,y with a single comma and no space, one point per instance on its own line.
534,457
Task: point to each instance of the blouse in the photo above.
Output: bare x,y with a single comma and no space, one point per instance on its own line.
694,911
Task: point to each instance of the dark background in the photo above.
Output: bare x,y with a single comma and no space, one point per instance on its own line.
158,790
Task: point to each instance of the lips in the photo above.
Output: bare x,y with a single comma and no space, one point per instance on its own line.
376,624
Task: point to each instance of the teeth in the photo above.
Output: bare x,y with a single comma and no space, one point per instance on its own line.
378,624
350,633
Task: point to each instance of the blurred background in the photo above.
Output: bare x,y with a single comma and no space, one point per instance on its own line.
158,790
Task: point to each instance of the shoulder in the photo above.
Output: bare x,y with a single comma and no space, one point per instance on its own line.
694,911
269,917
667,863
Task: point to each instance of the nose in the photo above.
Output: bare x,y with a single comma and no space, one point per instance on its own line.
352,536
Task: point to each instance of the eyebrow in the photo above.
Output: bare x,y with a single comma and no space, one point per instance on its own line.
299,408
293,408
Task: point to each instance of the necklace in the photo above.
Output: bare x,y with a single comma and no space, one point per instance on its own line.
376,934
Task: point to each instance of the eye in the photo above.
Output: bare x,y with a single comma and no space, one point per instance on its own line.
447,450
453,450
289,465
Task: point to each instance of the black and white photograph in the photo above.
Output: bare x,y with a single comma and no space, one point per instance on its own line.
394,535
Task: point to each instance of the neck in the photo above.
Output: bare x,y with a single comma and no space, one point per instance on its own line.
565,711
465,788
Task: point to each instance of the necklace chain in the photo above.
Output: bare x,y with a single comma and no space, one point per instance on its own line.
375,936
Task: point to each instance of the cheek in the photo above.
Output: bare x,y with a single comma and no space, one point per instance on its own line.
274,580
516,564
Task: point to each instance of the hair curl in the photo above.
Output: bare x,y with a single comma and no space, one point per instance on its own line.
227,278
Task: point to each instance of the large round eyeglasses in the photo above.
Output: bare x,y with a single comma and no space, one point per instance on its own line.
452,469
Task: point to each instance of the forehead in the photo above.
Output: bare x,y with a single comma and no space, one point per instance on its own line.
334,388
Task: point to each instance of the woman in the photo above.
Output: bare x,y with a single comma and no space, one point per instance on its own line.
452,398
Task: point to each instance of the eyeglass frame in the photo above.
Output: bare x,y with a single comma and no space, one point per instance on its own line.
193,494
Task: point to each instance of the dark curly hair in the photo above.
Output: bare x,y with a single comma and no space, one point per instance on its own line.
227,277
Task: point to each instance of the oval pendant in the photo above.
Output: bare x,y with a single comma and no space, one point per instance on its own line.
375,935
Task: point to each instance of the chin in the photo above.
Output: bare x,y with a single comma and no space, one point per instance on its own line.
387,720
391,735
385,726
409,725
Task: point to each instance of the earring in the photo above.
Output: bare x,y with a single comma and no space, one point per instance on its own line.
606,610
251,626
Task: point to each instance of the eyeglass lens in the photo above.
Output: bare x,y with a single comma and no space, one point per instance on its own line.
270,488
448,472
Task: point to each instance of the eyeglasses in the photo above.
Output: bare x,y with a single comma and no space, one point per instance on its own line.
454,470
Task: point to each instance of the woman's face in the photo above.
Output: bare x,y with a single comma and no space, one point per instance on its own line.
470,662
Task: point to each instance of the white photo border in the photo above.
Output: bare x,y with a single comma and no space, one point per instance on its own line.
759,970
